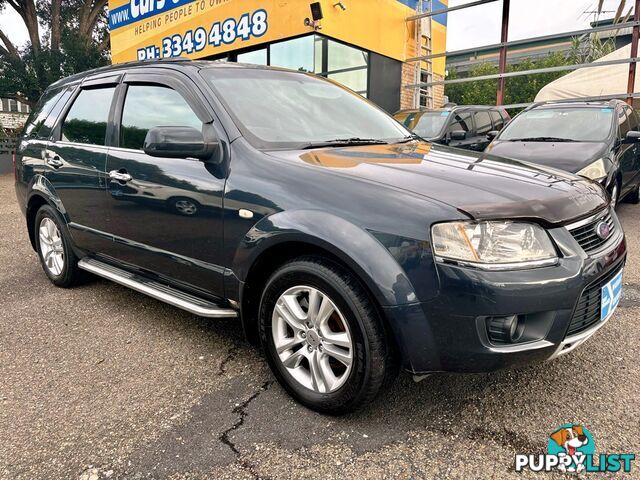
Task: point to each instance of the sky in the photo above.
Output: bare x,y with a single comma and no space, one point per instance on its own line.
467,28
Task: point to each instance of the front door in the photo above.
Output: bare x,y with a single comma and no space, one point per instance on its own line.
76,158
165,213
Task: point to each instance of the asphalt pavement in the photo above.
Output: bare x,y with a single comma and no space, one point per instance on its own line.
102,382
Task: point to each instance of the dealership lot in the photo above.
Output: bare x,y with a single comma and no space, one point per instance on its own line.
102,382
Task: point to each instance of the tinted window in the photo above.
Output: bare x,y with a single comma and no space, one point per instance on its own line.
48,124
633,118
583,124
461,121
623,122
148,106
428,124
87,119
498,122
483,123
40,112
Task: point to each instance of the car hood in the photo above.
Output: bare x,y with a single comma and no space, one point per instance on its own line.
479,185
569,156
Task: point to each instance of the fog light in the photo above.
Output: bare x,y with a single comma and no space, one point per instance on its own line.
503,330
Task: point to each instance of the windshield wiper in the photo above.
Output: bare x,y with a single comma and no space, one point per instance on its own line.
542,139
345,142
410,138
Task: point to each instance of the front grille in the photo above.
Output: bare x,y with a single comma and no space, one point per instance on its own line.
587,312
586,234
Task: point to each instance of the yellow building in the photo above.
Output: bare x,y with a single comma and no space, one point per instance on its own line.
363,44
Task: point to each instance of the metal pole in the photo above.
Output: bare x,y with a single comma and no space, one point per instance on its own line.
634,53
502,65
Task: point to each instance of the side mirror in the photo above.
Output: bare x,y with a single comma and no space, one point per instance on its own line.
632,137
179,142
492,134
458,135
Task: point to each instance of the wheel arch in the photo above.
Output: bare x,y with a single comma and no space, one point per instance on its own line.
41,193
275,240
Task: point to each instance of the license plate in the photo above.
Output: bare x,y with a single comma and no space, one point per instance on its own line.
610,296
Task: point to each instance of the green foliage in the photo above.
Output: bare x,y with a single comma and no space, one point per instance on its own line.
81,43
523,89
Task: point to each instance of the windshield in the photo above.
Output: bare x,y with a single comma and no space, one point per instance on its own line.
567,123
425,124
276,109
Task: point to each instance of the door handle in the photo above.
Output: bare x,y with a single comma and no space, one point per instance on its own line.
120,176
52,159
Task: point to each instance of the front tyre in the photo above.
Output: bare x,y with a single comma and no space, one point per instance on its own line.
54,249
323,337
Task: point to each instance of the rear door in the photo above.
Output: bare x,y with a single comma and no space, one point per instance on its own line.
76,157
166,217
483,127
33,142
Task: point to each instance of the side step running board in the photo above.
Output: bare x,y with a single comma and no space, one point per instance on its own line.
164,293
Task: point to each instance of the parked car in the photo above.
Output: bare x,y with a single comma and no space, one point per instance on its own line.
598,140
465,126
344,245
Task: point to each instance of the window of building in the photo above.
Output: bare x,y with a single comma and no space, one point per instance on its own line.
316,54
256,57
86,121
148,106
295,54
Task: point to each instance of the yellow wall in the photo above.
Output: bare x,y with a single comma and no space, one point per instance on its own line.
376,25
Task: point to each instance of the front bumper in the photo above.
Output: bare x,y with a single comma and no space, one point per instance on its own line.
448,333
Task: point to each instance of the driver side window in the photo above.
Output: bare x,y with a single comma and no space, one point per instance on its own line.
148,106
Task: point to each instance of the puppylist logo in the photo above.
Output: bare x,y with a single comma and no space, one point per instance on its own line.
571,448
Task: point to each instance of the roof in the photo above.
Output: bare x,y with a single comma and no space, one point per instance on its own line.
451,108
169,62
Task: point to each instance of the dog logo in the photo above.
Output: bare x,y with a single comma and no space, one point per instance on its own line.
571,448
575,441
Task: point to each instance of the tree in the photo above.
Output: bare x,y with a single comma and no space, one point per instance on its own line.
76,38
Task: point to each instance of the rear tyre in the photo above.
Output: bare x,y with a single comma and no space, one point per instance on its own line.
324,339
54,249
633,196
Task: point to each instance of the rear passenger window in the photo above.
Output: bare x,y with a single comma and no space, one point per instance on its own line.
40,112
498,122
461,121
86,121
633,119
148,106
623,122
483,123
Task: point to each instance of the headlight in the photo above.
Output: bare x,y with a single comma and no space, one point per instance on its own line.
494,245
594,171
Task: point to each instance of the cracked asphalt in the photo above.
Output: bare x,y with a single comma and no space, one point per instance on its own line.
102,382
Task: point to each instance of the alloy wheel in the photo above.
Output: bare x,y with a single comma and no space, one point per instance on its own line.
51,247
312,339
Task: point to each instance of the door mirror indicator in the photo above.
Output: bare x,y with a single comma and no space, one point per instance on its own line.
181,142
492,134
632,137
458,135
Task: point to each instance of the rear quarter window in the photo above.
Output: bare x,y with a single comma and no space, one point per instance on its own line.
41,111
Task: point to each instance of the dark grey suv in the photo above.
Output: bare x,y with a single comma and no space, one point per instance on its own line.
345,246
